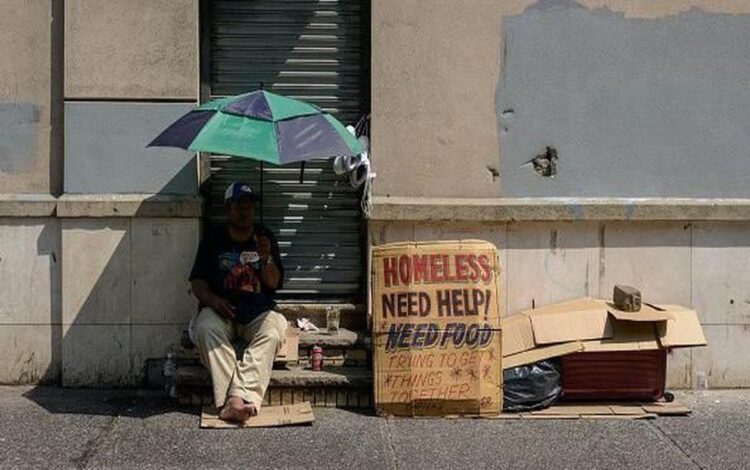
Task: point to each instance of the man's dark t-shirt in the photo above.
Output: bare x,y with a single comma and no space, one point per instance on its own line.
232,271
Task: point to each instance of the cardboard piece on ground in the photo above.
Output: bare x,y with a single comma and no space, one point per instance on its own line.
614,416
541,353
611,411
647,313
269,416
628,410
289,350
667,409
540,416
577,410
436,326
683,330
579,319
505,416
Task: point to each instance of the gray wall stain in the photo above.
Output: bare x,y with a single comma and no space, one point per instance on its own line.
634,107
19,126
105,150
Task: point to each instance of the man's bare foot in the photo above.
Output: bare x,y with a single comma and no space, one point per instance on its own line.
251,409
235,409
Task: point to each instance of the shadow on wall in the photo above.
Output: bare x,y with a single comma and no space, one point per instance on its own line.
125,295
106,153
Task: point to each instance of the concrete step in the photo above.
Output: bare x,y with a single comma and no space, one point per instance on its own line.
344,338
345,348
344,387
352,316
195,375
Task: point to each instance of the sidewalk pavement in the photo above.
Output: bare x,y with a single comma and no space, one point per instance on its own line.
48,427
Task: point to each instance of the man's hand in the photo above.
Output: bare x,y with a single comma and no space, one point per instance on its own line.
222,306
263,245
269,273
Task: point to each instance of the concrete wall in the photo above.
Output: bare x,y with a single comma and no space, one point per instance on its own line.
30,302
128,51
131,49
634,107
640,98
434,73
702,265
126,297
94,281
105,149
25,91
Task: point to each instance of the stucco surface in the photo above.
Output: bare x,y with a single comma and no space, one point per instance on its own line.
132,49
105,150
25,90
634,107
640,98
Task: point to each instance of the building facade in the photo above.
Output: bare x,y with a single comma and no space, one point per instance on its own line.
594,142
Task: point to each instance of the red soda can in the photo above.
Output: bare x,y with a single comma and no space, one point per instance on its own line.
316,360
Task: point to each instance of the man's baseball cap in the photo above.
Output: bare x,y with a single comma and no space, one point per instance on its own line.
240,189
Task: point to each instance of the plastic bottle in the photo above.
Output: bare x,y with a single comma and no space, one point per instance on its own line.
701,380
170,370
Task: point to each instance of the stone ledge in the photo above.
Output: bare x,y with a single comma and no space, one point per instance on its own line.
27,205
544,209
352,316
129,205
343,339
354,377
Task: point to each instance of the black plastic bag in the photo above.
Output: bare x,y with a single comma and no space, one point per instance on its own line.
531,387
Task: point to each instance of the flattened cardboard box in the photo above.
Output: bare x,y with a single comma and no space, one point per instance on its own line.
289,350
436,327
591,325
553,330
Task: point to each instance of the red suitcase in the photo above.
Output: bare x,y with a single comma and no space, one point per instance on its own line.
622,375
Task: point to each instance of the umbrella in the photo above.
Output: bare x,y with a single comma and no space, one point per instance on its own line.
261,126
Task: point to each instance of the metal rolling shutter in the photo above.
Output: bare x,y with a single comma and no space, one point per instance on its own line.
310,50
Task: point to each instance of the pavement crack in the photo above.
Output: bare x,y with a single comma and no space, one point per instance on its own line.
93,444
385,431
676,444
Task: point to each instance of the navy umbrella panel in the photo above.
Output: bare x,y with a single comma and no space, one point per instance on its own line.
262,126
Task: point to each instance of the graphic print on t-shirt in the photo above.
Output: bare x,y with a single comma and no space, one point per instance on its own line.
237,270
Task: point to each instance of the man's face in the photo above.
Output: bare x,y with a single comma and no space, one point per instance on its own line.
240,212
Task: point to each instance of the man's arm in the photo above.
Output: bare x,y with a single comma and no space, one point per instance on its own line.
200,286
203,293
271,273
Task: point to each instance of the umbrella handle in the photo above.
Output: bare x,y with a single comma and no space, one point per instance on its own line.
302,173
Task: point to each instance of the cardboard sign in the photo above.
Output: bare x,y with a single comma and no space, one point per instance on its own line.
436,327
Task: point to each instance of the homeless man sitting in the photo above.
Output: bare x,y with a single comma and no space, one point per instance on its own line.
236,272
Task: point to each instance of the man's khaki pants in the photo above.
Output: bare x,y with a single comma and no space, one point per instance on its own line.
247,378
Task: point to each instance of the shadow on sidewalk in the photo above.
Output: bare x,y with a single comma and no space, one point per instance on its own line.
134,403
